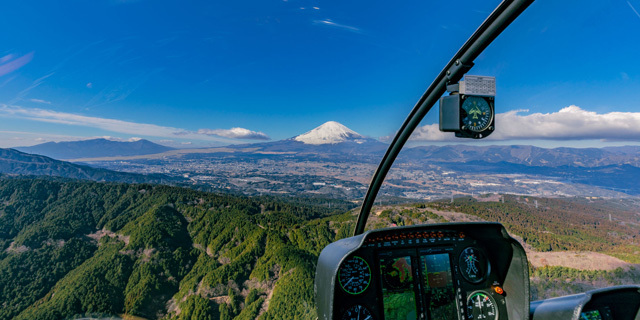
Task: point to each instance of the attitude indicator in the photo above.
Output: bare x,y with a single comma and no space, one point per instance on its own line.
473,265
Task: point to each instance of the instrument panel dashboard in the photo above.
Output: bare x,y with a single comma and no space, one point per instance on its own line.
445,271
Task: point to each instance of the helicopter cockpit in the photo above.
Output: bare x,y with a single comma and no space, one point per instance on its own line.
444,271
451,270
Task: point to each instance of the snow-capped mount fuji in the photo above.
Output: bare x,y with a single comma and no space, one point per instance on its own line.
330,132
331,139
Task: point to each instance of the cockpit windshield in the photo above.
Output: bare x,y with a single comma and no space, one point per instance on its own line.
192,160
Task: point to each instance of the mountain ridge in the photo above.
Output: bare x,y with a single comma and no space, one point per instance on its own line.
93,148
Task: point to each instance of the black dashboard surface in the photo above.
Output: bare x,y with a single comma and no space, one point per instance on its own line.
619,303
444,271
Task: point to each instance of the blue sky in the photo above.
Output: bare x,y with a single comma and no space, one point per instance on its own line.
204,73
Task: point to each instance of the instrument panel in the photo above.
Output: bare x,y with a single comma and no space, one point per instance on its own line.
445,271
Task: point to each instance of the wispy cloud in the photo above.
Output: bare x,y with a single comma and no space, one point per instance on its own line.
570,123
331,23
119,90
634,9
235,133
33,85
10,64
40,101
127,127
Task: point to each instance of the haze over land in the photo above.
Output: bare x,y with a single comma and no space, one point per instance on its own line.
335,161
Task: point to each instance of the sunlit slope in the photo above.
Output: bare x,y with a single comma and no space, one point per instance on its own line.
547,224
153,251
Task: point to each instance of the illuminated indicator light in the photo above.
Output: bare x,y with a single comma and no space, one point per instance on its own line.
462,235
498,290
440,234
432,235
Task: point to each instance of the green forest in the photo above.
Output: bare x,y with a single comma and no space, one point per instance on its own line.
72,248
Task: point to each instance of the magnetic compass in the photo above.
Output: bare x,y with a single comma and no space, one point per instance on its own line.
479,114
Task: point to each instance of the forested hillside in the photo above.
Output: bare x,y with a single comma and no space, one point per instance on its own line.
71,248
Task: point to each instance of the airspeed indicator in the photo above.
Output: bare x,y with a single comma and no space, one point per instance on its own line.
354,275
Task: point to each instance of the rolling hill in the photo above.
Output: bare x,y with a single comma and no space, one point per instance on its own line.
19,163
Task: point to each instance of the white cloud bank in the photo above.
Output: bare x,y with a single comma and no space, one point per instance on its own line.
235,133
570,123
127,127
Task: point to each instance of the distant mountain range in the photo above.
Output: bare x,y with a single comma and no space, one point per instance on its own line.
336,141
19,163
613,168
527,155
94,148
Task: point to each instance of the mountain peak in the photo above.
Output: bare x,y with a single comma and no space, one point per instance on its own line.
330,132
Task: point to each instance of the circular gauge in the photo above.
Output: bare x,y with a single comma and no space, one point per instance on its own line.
478,114
396,272
480,305
357,312
354,275
473,265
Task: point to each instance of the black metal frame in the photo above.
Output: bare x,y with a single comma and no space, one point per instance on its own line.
461,62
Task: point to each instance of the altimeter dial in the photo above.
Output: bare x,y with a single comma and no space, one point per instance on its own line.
357,312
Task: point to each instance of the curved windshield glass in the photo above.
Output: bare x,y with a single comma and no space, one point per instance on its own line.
164,159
